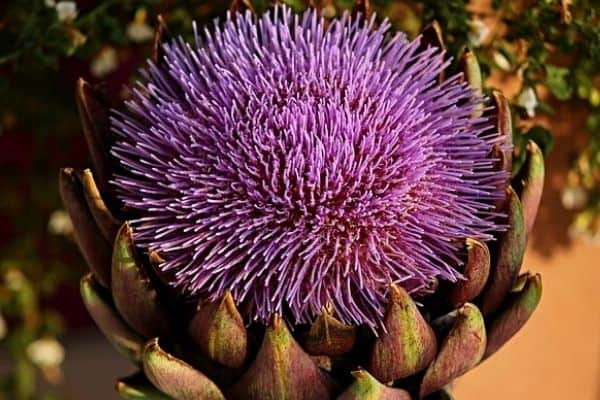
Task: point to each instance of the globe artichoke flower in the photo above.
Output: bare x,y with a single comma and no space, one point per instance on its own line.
303,208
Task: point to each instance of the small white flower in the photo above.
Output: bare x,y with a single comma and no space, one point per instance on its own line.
67,11
50,3
501,61
60,223
528,100
46,352
478,32
105,62
139,32
574,197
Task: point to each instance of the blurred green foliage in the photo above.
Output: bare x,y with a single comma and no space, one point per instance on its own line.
549,45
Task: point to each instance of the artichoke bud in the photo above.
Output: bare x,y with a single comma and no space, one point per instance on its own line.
304,163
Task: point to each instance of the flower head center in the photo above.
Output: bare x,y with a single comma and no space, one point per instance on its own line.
299,166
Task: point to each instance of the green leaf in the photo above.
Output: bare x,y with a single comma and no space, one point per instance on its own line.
545,107
557,80
113,29
297,5
593,122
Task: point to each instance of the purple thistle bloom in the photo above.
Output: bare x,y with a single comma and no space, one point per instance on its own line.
303,166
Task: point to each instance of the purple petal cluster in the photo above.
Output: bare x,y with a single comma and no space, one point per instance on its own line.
301,164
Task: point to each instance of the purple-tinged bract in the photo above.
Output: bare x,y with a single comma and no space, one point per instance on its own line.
303,165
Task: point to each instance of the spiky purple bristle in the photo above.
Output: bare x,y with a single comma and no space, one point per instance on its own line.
301,165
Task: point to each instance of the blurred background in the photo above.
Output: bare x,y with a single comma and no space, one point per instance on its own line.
544,55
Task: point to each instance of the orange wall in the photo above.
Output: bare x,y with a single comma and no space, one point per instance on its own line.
557,354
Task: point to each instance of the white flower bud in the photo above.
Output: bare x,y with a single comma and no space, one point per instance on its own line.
574,197
501,61
60,223
139,33
104,63
46,352
138,30
478,32
528,100
67,11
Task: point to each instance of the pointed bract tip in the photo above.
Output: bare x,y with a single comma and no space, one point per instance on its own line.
471,70
93,110
238,6
531,184
161,34
366,387
364,8
134,294
155,258
104,218
93,246
432,36
218,330
398,294
281,370
329,336
137,387
476,274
